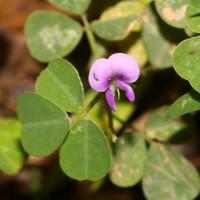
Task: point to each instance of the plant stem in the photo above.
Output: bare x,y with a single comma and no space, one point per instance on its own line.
90,36
94,101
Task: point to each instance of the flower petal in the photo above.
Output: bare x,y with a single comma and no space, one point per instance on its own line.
128,89
110,96
100,75
124,67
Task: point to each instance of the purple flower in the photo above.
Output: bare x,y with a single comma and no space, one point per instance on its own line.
112,74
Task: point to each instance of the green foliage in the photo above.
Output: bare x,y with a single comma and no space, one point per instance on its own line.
72,6
44,125
114,29
117,22
12,156
186,61
168,175
50,35
175,131
154,33
55,117
129,154
192,16
85,155
60,83
187,103
172,12
123,9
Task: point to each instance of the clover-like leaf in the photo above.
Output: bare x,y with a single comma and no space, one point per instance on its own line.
154,33
172,12
186,61
44,125
173,130
12,156
61,84
51,35
72,6
168,175
187,103
85,155
129,154
116,22
114,29
123,9
192,16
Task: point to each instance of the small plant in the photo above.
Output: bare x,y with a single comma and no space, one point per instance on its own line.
92,138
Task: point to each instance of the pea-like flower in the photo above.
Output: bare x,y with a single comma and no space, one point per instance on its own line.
110,75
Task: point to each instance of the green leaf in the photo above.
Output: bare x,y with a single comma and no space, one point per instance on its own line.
118,21
168,175
122,9
11,154
114,29
60,83
129,157
186,61
85,153
72,6
44,125
51,35
192,16
172,12
173,130
187,103
154,33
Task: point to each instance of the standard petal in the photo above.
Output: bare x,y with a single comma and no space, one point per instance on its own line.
100,75
124,67
128,89
110,96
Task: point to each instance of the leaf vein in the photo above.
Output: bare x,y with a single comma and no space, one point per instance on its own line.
64,88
